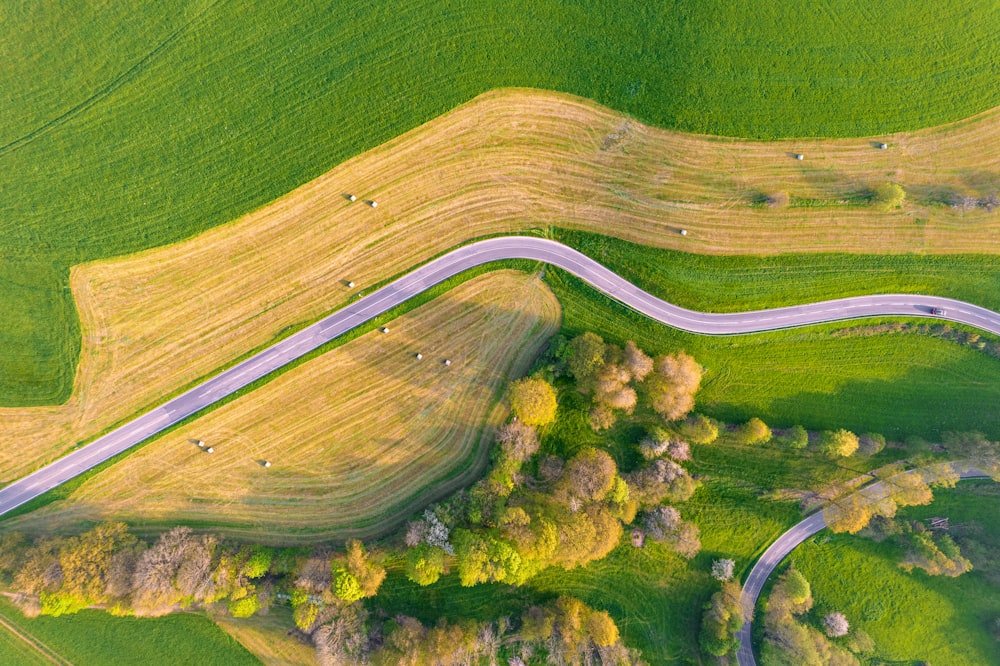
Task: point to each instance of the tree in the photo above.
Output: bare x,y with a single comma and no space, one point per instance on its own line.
637,362
586,358
672,385
840,443
848,514
344,640
887,196
660,480
870,444
518,441
533,401
753,431
424,564
85,561
664,524
589,475
722,620
245,606
368,574
346,586
699,429
722,570
797,437
835,624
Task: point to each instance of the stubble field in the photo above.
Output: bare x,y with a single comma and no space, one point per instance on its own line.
358,438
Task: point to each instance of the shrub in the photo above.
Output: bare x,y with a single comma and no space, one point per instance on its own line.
887,196
699,429
722,570
838,443
797,437
424,564
870,444
753,431
836,625
244,607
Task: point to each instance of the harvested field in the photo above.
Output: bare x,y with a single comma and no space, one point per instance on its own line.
510,160
358,438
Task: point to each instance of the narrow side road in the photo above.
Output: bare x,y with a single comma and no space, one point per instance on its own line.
440,269
780,549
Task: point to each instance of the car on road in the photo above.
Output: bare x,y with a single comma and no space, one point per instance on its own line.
937,312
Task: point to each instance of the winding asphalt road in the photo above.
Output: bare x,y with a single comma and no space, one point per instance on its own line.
438,270
779,550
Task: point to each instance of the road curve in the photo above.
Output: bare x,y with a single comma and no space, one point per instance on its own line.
777,552
438,270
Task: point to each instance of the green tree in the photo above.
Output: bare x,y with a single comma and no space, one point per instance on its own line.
887,196
586,358
346,586
246,606
424,564
838,443
722,621
699,429
258,562
753,431
533,401
797,437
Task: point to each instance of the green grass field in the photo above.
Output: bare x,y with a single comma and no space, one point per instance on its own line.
94,637
914,616
144,124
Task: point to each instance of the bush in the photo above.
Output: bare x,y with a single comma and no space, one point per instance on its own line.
699,429
870,444
753,431
838,443
533,401
797,437
887,196
244,607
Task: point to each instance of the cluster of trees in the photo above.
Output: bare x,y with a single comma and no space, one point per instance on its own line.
616,377
720,625
564,631
853,511
934,552
790,642
108,565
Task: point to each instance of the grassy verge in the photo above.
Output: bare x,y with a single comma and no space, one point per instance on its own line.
94,637
712,283
912,616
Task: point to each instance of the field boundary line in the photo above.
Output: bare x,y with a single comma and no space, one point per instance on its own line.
35,643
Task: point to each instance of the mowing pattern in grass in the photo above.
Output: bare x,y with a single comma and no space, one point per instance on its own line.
914,616
899,385
142,124
358,438
94,637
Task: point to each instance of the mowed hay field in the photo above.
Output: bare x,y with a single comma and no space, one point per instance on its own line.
358,438
511,160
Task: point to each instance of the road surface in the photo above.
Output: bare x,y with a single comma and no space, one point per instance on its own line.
438,270
777,552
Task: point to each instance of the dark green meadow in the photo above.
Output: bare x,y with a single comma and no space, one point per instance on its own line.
133,124
95,638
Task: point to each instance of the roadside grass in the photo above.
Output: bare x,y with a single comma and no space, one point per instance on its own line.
507,161
737,283
915,617
95,637
357,438
898,385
